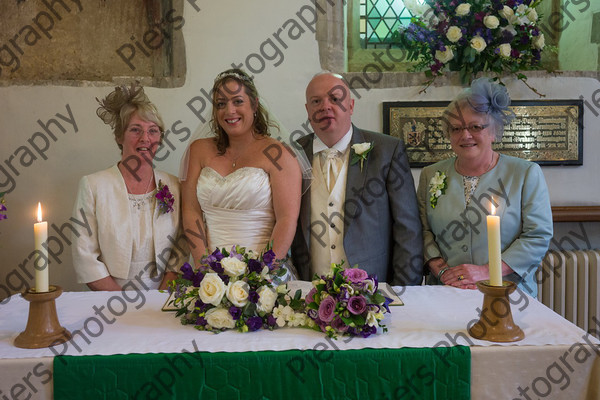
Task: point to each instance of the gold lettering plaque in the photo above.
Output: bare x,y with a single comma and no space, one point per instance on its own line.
548,132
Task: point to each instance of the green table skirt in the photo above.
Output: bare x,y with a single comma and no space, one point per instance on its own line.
406,373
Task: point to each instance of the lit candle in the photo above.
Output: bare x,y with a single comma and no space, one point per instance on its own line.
40,232
494,246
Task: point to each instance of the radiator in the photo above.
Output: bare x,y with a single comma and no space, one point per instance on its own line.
568,284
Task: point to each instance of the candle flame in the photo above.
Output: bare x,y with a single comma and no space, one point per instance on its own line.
493,208
39,212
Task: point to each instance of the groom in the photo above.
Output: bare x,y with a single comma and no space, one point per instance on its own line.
365,212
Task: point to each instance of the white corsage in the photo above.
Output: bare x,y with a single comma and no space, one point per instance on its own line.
360,152
437,187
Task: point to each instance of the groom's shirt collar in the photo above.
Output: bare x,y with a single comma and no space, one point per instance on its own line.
341,145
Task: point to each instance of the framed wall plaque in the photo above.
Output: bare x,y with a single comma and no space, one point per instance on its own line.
548,132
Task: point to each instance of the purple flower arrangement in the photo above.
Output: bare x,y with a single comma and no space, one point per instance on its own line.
2,207
473,36
233,290
164,198
346,302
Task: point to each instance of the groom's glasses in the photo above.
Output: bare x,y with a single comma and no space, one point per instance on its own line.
473,129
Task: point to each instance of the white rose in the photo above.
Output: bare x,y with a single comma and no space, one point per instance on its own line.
237,293
211,289
463,9
438,193
266,299
219,318
491,22
444,56
478,43
521,9
504,49
233,267
454,34
532,15
539,41
360,148
508,14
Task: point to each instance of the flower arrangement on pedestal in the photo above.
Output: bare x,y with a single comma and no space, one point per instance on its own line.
346,302
473,36
235,289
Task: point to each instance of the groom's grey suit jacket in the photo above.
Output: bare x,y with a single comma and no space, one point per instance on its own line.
382,229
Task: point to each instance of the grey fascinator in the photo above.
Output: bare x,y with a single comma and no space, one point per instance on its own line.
491,98
110,107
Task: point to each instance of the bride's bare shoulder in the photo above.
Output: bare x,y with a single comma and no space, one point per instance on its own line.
203,146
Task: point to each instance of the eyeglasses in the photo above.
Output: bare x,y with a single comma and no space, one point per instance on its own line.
473,129
138,131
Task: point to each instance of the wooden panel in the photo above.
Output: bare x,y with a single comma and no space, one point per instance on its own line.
576,213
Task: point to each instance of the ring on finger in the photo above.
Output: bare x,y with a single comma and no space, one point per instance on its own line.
461,277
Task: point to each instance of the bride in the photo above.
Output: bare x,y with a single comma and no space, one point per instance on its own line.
242,187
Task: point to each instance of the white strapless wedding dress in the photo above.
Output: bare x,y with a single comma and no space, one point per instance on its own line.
238,209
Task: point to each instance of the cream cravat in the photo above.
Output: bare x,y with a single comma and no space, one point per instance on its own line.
331,169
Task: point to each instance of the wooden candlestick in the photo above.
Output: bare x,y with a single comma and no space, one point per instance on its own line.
496,323
43,328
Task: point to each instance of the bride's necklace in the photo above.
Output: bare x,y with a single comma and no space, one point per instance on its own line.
486,170
138,202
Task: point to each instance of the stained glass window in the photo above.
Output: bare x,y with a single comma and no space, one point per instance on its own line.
379,19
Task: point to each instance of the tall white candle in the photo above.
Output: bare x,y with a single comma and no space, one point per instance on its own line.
40,232
494,248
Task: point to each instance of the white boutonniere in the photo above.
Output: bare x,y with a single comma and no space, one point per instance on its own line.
360,152
437,187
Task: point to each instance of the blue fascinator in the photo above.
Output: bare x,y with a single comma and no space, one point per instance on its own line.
491,98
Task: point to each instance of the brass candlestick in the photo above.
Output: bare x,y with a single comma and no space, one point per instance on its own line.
43,328
496,323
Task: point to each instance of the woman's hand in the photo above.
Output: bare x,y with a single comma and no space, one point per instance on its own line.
465,276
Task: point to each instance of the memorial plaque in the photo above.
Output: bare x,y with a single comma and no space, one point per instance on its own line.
548,132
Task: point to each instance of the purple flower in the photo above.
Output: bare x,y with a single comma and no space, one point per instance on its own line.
254,266
187,272
235,312
368,331
216,266
355,275
310,297
253,296
201,321
165,198
312,313
218,256
269,257
327,309
224,278
197,278
344,296
339,325
387,303
254,323
357,305
271,320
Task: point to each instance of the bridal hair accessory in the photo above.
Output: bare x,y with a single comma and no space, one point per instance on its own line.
491,98
110,107
233,74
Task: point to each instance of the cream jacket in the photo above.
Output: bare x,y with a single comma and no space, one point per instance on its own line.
106,247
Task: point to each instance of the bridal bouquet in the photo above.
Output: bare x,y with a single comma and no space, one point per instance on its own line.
235,289
473,36
346,302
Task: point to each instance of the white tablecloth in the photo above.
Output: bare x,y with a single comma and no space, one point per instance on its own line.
105,323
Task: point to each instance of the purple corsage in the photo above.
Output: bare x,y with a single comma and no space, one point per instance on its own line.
165,198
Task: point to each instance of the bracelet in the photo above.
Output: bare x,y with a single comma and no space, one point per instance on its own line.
442,271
